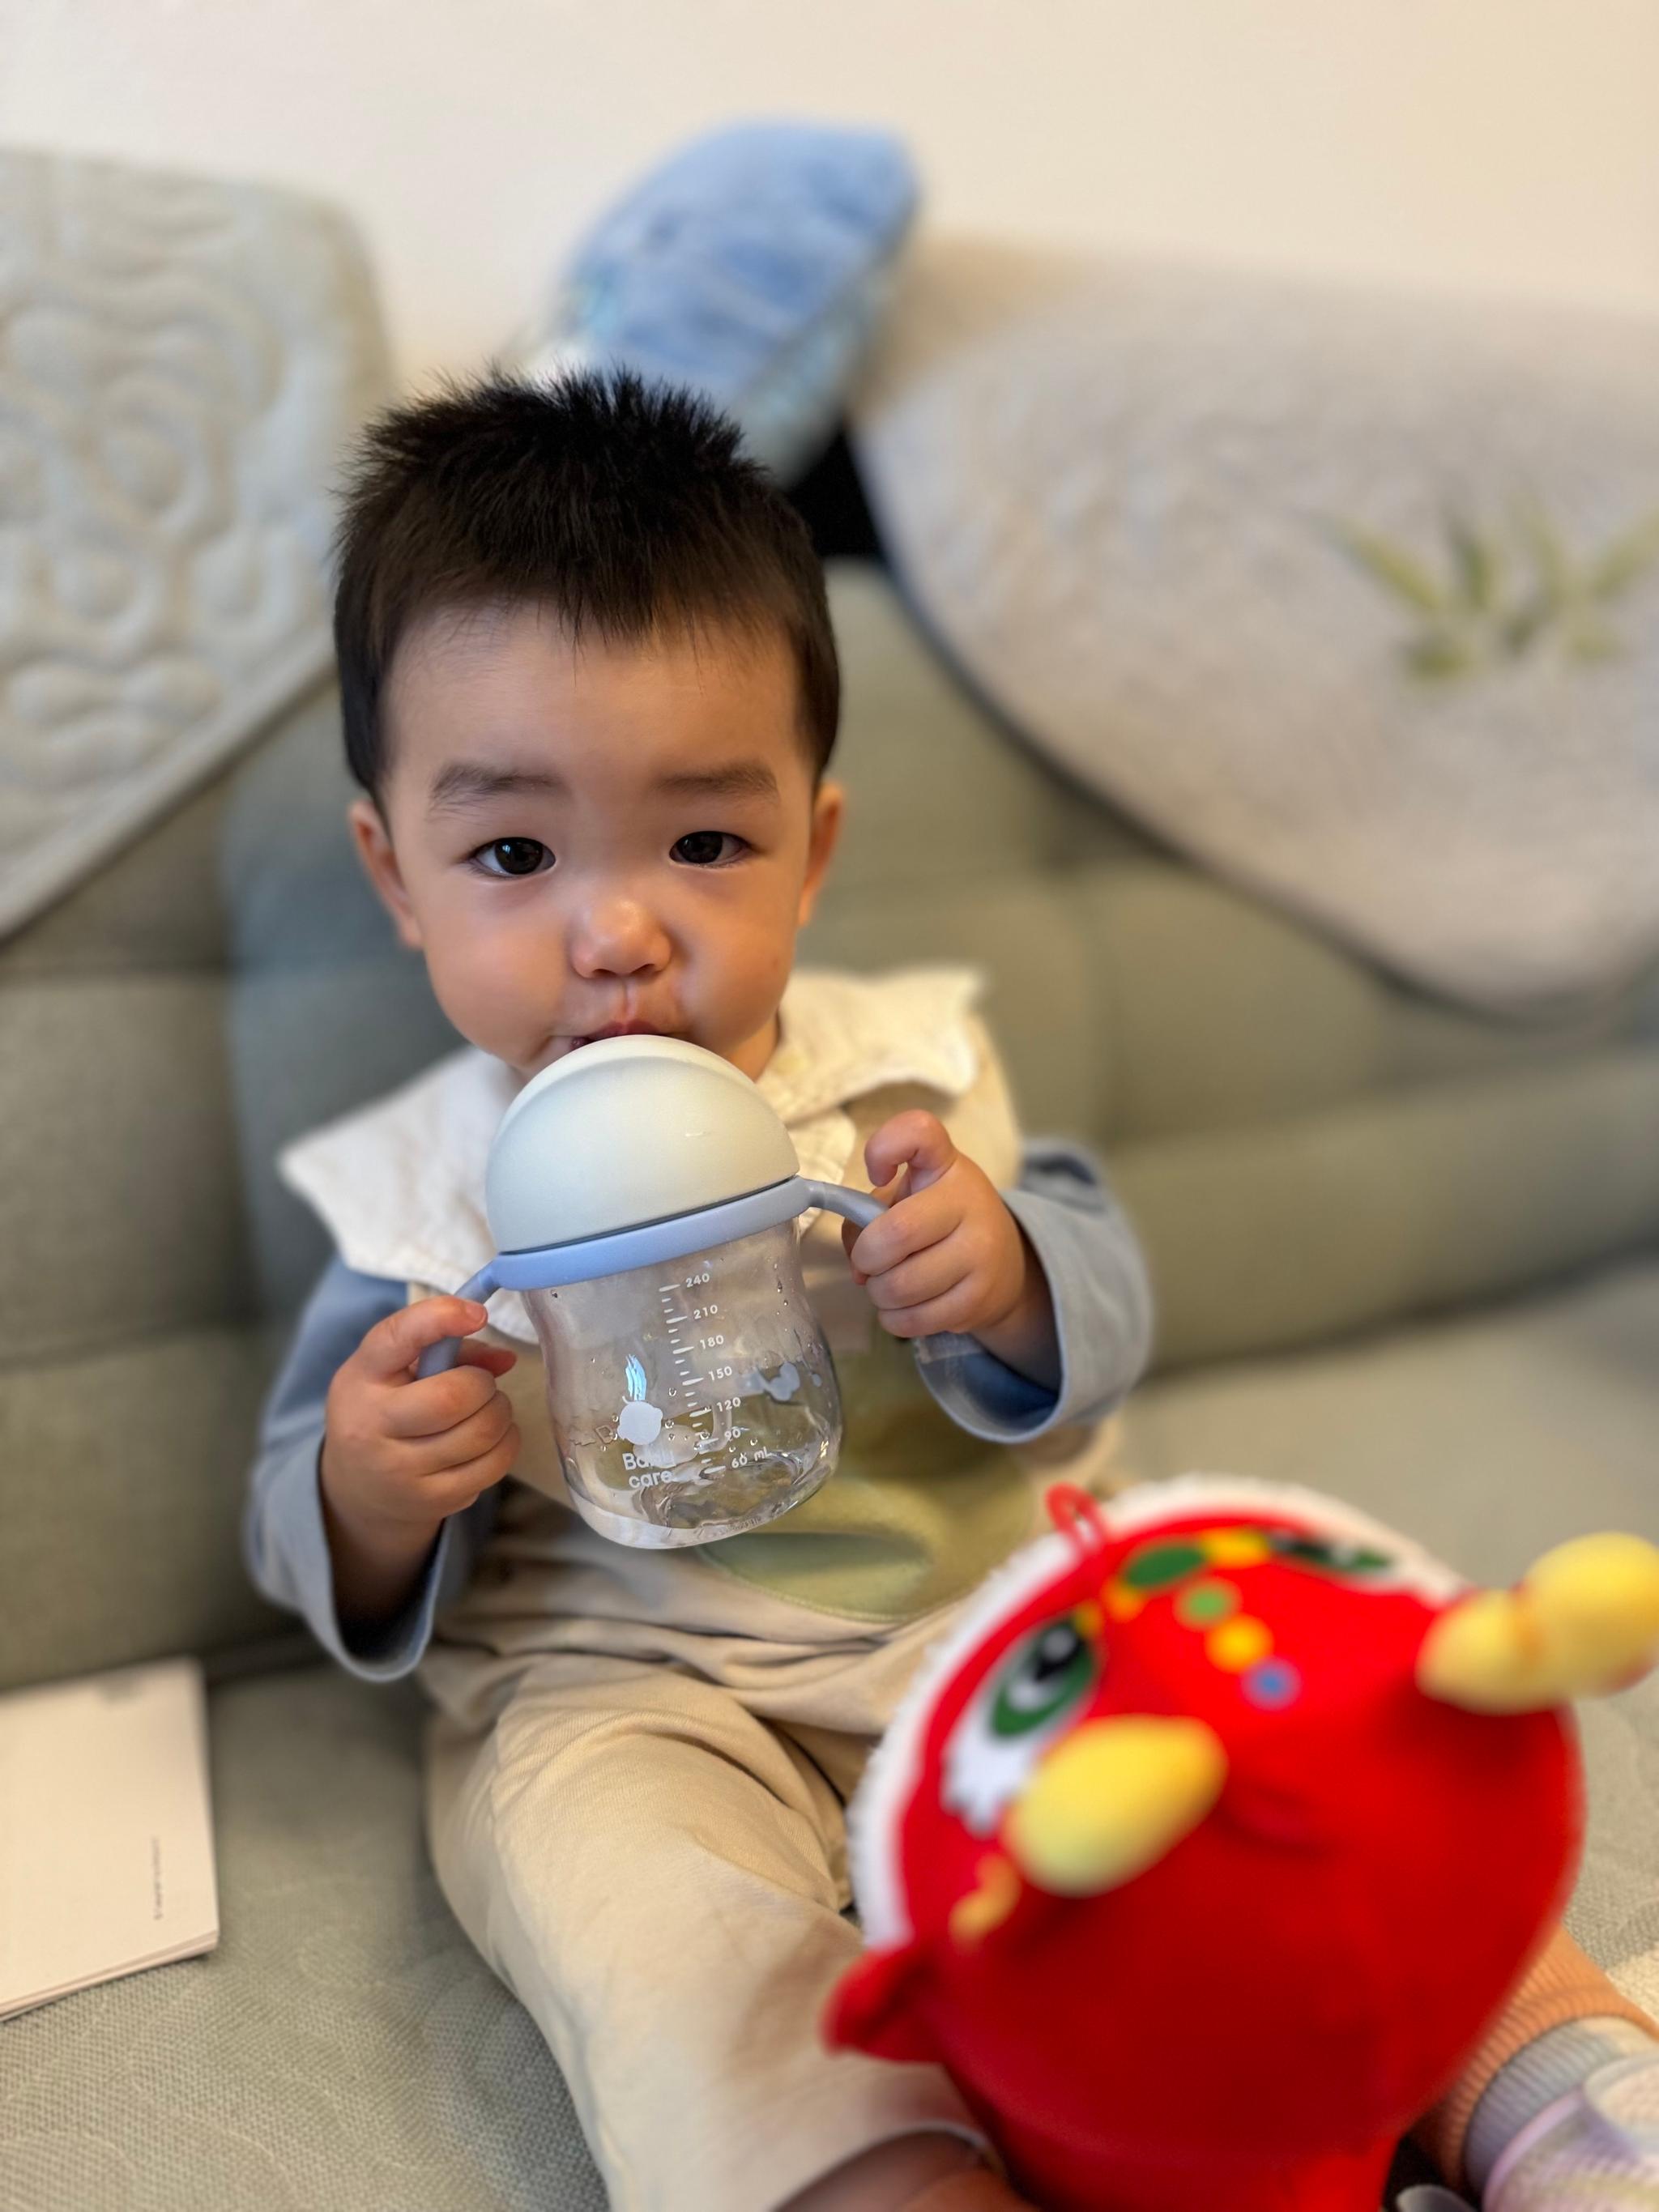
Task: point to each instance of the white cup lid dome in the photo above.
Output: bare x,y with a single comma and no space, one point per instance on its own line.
629,1130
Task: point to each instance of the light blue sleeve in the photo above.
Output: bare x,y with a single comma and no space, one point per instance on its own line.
1103,1309
284,1538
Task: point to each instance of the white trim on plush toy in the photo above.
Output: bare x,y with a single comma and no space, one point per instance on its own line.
872,1822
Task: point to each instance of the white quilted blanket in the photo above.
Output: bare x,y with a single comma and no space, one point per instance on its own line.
1357,599
180,359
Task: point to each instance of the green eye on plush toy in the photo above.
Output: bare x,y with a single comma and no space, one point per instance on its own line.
1014,1719
1051,1672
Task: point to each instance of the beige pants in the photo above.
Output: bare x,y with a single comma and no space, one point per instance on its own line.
655,1864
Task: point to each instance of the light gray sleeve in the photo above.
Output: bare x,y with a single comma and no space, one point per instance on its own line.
282,1535
1103,1309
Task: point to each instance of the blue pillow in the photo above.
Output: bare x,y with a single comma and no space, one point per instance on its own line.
754,266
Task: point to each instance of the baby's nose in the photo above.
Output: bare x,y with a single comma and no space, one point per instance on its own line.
619,937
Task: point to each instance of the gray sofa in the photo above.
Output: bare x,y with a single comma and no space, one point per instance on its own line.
1402,1253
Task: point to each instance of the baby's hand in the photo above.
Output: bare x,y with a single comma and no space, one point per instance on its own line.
400,1453
948,1254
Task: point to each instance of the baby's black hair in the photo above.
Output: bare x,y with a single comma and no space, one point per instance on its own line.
623,508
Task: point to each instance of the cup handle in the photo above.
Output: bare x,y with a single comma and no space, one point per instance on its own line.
858,1206
438,1357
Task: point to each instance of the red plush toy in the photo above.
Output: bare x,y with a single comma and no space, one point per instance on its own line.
1205,1849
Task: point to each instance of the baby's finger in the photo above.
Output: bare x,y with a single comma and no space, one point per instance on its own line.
456,1487
929,1274
466,1441
917,1140
391,1348
495,1357
888,1194
923,1219
953,1311
436,1403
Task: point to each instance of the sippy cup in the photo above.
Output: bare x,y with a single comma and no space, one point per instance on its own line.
643,1194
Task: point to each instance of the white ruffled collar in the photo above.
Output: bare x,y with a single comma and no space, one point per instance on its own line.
399,1183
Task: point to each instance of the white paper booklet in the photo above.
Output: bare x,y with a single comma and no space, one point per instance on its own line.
105,1830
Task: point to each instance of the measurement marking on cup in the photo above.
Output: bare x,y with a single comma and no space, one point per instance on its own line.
690,1381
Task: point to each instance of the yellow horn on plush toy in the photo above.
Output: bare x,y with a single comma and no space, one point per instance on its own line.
1585,1620
1111,1799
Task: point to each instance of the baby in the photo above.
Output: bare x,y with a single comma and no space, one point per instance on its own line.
590,690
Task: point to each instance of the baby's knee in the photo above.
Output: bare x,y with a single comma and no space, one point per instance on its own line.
659,1796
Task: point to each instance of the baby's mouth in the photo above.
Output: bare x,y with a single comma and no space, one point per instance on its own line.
614,1029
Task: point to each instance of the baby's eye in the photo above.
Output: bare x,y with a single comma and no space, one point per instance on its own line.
702,848
511,856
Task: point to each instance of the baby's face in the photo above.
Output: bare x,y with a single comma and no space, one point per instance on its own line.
587,839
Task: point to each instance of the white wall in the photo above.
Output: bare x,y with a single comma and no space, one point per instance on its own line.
1498,145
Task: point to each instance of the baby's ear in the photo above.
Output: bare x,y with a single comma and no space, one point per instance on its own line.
829,810
375,849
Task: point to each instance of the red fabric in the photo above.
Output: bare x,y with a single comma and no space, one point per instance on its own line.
1254,2020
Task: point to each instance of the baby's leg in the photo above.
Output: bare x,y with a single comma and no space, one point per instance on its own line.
652,1870
1566,2022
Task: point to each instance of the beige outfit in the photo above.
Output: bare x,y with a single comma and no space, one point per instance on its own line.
638,1767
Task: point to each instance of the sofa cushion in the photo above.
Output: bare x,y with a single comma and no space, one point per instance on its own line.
942,791
1286,1233
114,1099
326,1009
344,2046
123,1476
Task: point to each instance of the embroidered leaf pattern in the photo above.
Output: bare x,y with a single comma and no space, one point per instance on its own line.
1437,653
1478,565
1393,566
1495,594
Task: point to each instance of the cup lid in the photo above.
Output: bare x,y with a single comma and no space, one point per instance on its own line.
629,1130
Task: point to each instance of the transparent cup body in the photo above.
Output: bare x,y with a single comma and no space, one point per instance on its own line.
691,1400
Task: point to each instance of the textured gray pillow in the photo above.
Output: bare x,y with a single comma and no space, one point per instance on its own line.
184,357
1356,598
